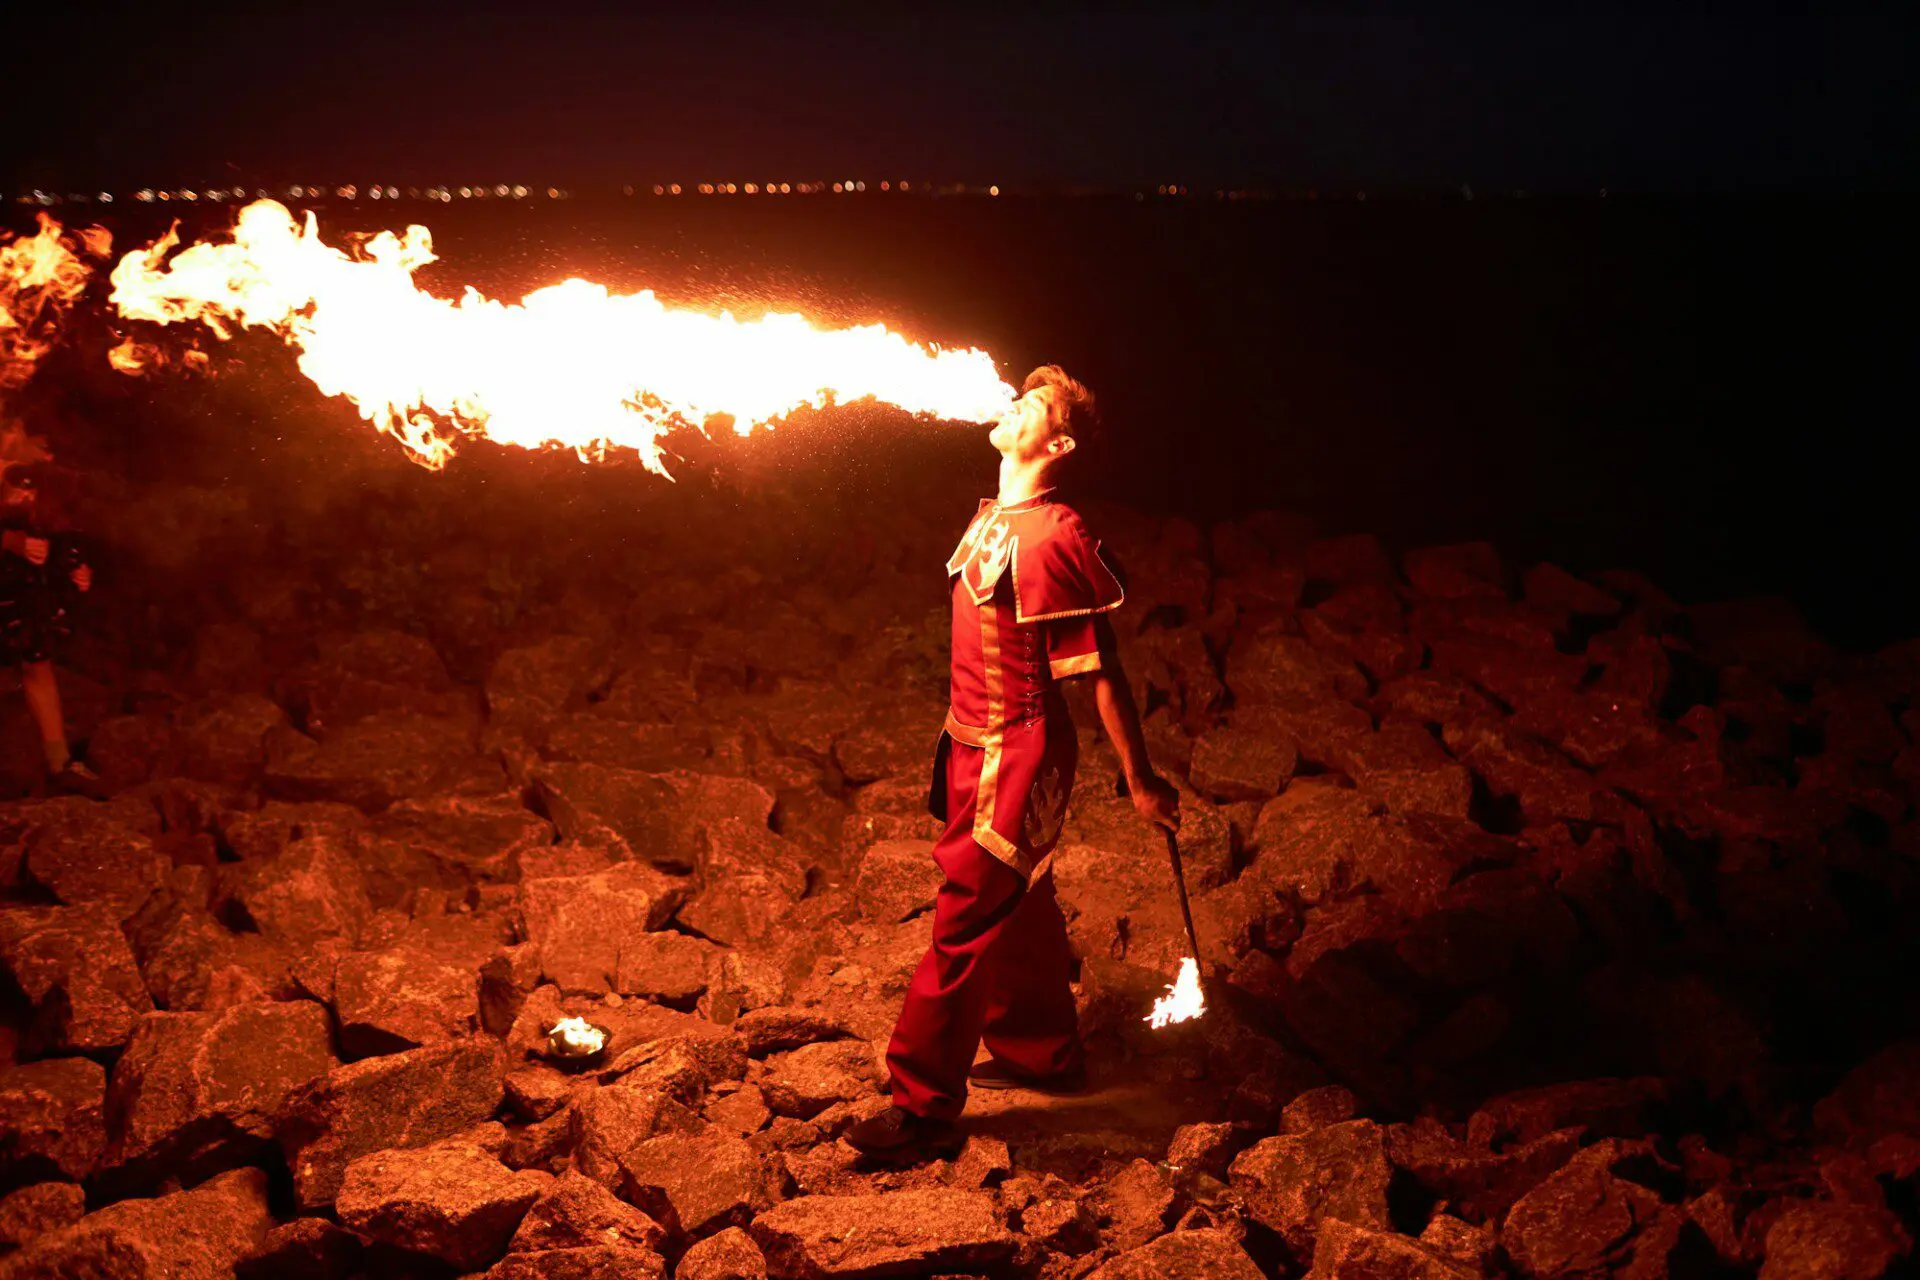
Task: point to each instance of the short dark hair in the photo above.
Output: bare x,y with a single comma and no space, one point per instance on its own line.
1078,412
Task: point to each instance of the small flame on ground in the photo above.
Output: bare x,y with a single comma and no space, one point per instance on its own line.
1183,999
578,1034
572,365
40,276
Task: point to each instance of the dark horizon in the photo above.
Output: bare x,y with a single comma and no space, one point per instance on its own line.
1301,98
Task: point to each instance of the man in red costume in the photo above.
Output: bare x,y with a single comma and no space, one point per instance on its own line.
1031,594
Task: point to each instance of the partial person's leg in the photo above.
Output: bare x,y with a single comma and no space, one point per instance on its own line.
1032,1027
938,1032
43,704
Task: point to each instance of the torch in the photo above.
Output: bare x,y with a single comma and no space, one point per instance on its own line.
1184,998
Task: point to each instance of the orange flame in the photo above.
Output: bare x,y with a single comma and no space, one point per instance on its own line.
1183,1000
572,365
40,276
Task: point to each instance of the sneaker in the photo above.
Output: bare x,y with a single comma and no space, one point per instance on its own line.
78,780
992,1075
899,1132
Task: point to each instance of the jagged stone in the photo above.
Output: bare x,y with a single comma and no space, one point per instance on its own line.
1138,1204
1344,1251
659,815
311,892
401,1100
1232,764
1584,1219
1478,1182
581,923
1318,1108
77,976
805,1081
452,1201
1210,1148
610,1124
401,998
773,1028
897,878
376,761
896,1232
696,1182
190,1235
196,1092
725,1255
670,967
304,1249
96,864
52,1118
1822,1240
35,1210
224,740
1182,1255
574,1212
1292,1182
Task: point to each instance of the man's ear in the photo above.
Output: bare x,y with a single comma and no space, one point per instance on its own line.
1060,446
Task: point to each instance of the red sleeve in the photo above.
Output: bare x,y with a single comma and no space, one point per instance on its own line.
1066,575
1077,646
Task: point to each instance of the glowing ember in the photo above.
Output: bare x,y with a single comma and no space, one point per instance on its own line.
571,365
577,1036
40,276
1183,999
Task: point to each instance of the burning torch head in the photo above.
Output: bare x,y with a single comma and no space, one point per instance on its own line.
1054,414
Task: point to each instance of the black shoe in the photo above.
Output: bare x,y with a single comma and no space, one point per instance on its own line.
899,1132
991,1075
78,780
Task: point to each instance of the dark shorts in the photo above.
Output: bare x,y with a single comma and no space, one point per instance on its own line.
36,616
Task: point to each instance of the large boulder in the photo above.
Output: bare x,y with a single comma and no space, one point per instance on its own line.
897,879
1182,1255
384,758
581,923
1232,764
1825,1240
52,1118
674,968
190,961
610,1125
76,974
574,1211
1345,1251
458,840
697,1183
190,1235
402,1100
1292,1182
658,815
806,1081
1585,1219
453,1201
96,863
726,1255
196,1092
750,878
402,998
224,740
35,1210
897,1233
530,688
311,892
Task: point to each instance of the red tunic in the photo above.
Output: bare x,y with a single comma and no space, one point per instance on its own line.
1029,589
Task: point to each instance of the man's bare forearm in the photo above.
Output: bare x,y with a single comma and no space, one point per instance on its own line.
1121,719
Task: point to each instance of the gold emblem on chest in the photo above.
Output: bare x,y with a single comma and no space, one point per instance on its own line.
983,555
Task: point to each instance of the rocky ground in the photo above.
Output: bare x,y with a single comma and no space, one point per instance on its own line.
1554,928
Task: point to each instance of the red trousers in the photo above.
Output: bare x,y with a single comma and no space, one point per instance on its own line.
999,969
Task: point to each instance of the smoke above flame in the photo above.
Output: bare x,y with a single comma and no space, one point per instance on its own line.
573,365
40,277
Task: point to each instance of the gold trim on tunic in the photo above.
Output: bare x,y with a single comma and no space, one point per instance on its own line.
1078,665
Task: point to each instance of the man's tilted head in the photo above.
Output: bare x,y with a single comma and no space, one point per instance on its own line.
1054,415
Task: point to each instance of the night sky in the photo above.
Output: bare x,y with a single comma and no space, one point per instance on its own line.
1300,95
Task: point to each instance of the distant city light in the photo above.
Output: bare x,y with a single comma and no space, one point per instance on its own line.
144,195
674,188
785,189
519,193
993,191
105,197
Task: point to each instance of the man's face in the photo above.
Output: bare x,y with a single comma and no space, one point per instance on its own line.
1027,429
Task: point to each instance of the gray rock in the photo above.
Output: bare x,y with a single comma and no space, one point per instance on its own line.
726,1255
74,969
52,1117
897,879
581,923
1292,1182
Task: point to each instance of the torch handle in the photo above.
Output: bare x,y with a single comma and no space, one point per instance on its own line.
1180,887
